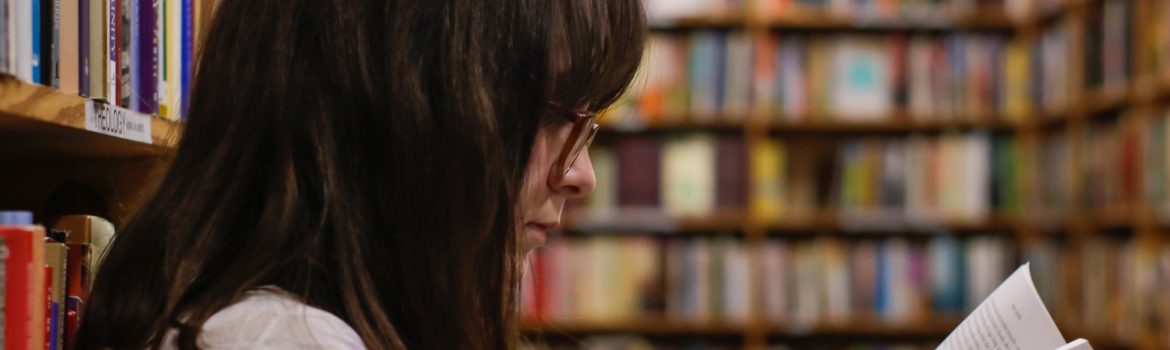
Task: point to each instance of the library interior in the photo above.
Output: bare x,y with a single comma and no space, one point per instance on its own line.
782,174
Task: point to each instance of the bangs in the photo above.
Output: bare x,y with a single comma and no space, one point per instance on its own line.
597,49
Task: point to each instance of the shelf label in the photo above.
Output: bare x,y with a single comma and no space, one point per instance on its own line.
118,122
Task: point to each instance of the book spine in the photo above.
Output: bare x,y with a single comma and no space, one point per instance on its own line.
68,63
24,319
54,68
83,46
96,50
3,279
111,50
5,23
172,60
55,259
162,93
153,39
124,58
144,61
187,55
135,46
76,288
36,54
25,32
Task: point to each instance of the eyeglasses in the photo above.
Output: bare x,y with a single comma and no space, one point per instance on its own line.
584,129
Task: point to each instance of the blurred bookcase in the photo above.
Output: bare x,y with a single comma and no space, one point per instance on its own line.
877,167
90,101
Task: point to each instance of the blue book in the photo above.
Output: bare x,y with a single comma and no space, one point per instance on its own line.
147,56
36,42
186,55
882,281
947,275
135,54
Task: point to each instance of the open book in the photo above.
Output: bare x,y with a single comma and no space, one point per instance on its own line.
1012,318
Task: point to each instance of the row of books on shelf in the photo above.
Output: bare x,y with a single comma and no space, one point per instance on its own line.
683,174
1128,162
1114,287
963,176
611,279
624,342
45,277
634,342
956,177
1156,33
1109,43
135,54
929,12
711,75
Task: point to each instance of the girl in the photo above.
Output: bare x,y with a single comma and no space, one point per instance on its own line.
365,173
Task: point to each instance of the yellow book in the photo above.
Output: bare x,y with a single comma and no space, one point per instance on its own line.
172,60
1017,57
768,166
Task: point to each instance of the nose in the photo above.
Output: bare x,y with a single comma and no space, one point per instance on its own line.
579,181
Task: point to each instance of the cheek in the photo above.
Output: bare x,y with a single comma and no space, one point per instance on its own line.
535,188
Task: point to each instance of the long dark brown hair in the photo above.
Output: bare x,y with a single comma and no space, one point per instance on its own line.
364,155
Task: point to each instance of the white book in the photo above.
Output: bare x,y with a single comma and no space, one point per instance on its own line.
688,175
1011,317
838,297
774,257
737,75
793,68
737,283
977,163
861,87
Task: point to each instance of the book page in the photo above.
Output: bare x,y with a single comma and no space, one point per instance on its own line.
1012,318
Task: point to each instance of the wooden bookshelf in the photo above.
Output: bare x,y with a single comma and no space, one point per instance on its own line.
817,124
821,22
43,133
976,21
845,223
659,326
683,123
654,220
37,121
897,123
871,329
687,24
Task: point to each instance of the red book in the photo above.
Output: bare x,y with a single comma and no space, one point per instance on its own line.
48,307
24,297
639,171
732,178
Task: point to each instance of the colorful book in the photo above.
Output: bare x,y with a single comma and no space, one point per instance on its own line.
88,238
69,63
24,299
55,256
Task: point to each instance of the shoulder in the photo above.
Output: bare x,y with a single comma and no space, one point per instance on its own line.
270,318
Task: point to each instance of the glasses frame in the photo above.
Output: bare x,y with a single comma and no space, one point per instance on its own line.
584,125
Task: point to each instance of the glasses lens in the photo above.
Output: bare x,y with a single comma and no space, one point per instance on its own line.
581,144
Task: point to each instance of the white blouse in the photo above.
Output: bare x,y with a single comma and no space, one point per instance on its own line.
270,318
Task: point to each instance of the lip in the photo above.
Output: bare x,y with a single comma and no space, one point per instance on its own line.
536,233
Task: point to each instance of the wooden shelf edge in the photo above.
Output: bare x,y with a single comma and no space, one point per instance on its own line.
26,104
653,220
657,221
647,326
